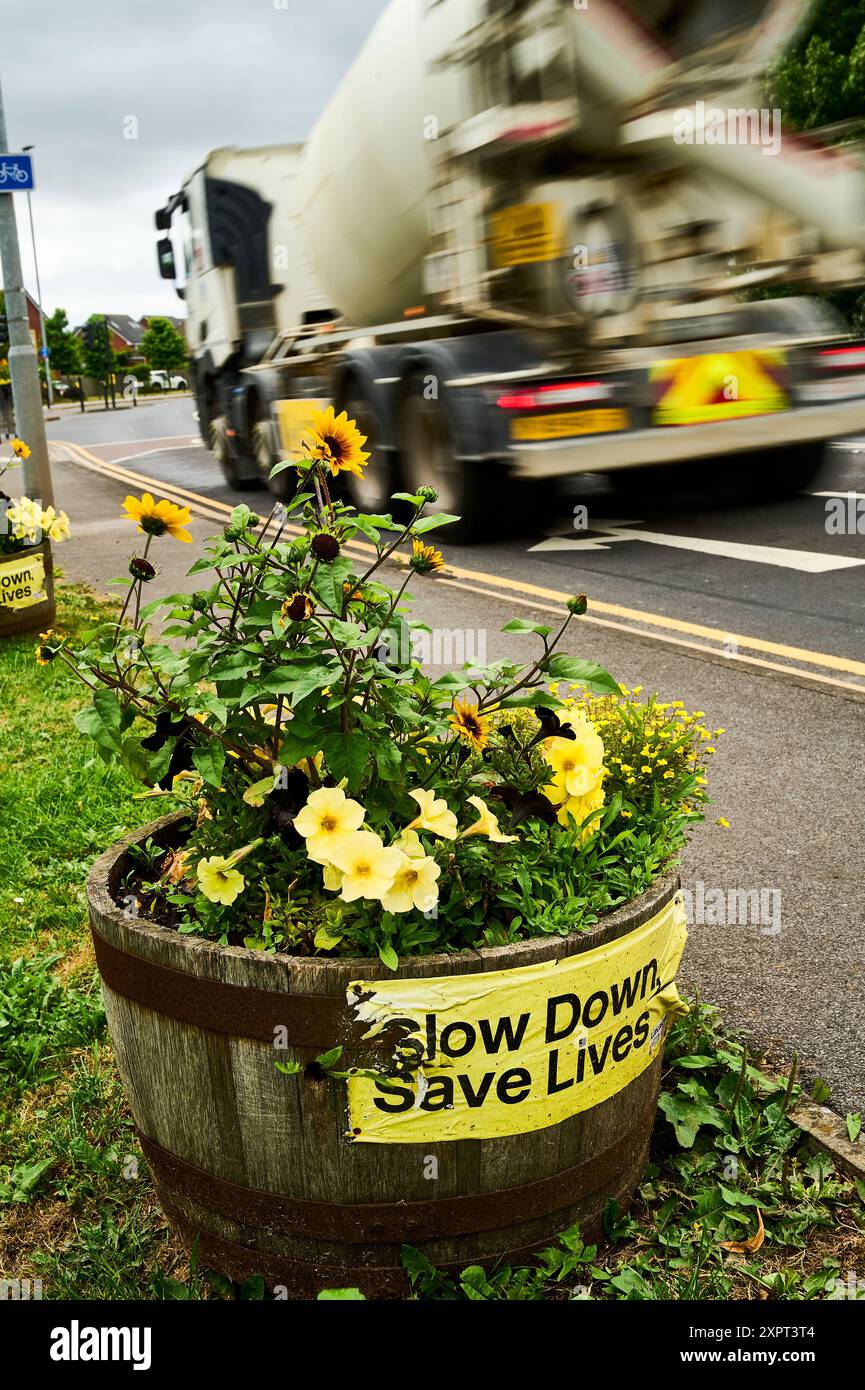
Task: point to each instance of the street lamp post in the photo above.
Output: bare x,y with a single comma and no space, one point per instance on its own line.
45,358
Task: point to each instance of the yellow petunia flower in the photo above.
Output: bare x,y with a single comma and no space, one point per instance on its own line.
158,518
414,885
434,815
326,819
368,869
487,824
218,881
579,760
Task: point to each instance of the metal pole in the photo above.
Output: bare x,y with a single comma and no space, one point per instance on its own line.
23,366
44,340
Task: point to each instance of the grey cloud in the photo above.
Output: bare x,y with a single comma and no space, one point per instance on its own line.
193,75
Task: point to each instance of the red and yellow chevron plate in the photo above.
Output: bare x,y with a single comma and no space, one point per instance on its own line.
719,386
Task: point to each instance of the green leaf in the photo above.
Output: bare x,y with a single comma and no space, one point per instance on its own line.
289,1068
388,760
525,625
326,940
256,792
340,1296
388,956
346,755
329,580
101,722
281,467
429,523
530,699
209,760
687,1115
585,673
854,1127
346,634
327,1059
317,678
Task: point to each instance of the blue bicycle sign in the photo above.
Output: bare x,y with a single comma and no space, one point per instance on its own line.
16,173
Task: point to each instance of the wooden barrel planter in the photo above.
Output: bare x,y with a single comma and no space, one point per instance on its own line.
259,1165
25,586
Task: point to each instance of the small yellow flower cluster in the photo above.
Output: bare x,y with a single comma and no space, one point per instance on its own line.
578,770
357,863
652,746
28,522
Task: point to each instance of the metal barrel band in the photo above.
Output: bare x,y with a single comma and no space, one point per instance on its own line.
240,1011
306,1278
388,1223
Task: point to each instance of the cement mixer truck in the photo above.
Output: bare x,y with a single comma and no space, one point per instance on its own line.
526,240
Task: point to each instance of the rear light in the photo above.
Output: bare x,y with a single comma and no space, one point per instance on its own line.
559,393
841,359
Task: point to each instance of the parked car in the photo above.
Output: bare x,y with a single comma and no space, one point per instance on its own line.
164,382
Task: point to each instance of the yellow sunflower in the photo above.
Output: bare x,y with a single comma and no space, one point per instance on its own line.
470,725
158,518
425,559
337,442
19,448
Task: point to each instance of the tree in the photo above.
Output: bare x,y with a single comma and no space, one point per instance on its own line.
96,348
164,347
821,79
64,348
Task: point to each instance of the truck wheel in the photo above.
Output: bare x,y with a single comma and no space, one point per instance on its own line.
372,492
282,486
780,472
469,490
220,447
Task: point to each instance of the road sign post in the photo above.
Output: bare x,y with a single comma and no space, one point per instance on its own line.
16,173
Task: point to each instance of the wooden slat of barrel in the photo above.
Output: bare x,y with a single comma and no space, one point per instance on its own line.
217,1102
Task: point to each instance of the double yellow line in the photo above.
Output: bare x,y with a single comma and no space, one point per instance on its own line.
709,642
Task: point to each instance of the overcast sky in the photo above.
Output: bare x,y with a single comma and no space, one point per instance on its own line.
195,74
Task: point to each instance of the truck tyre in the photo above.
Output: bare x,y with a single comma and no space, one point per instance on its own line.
282,486
372,492
779,472
468,489
221,448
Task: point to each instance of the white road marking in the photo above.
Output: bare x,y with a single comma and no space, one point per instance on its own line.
807,561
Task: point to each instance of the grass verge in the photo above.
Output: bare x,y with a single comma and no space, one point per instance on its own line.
76,1205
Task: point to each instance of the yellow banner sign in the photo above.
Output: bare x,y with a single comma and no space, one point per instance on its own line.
22,581
527,232
510,1051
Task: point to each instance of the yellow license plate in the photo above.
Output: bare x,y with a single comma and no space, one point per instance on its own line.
719,386
569,422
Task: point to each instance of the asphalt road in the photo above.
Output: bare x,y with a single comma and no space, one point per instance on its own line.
703,612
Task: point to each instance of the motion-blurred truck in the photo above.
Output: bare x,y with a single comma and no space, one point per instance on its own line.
528,239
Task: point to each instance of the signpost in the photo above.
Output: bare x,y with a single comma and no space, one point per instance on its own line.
43,351
16,175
